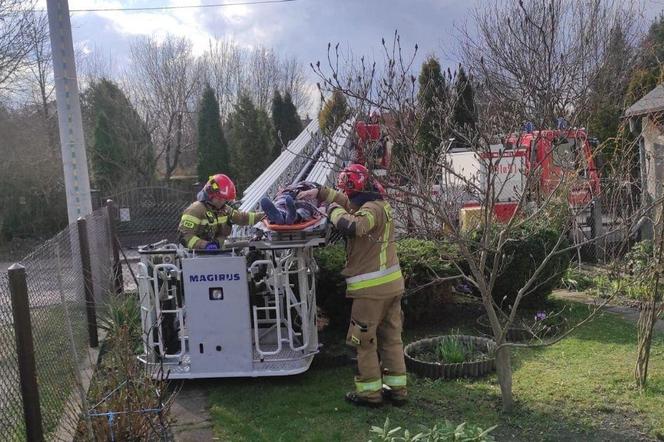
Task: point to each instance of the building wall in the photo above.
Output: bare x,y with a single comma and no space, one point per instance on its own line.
653,137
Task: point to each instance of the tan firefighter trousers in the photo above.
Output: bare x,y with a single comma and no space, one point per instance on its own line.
375,331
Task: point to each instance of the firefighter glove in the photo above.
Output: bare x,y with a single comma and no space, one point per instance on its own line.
212,245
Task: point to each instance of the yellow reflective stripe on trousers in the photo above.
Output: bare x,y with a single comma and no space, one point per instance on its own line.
373,282
192,242
369,386
395,380
386,237
252,218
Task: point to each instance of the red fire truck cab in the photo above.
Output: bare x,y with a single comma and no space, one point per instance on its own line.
551,157
372,147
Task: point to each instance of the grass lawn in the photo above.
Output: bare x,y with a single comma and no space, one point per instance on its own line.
578,389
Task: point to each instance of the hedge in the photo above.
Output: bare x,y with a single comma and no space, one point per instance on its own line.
522,256
424,261
420,262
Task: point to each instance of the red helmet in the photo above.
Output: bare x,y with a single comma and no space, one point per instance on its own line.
219,186
353,179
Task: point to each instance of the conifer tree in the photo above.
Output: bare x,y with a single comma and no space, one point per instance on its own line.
213,156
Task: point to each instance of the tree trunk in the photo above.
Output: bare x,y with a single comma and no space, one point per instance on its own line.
647,319
504,369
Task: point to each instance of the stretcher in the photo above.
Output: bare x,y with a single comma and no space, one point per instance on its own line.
311,233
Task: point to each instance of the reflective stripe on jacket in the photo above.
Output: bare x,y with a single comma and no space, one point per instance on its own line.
201,224
372,266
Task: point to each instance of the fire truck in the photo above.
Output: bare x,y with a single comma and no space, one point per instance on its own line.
548,156
372,147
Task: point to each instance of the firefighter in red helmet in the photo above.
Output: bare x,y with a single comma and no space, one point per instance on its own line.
207,222
374,282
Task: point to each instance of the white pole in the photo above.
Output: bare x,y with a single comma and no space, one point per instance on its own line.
72,145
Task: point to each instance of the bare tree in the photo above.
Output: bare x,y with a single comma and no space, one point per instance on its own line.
165,80
263,76
223,69
292,80
95,65
38,61
435,190
541,57
232,70
37,77
15,23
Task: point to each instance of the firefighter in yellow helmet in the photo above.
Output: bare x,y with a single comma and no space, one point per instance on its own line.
374,282
207,222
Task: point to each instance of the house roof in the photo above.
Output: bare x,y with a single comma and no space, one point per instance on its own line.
653,101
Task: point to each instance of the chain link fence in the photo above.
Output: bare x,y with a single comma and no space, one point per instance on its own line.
59,326
11,404
149,214
60,315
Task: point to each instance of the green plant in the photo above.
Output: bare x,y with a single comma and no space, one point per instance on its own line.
576,280
453,351
639,257
442,432
602,287
121,319
640,261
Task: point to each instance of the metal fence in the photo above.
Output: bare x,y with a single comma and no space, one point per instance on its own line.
68,280
149,214
59,321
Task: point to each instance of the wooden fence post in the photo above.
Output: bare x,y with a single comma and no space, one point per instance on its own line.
87,282
118,282
25,353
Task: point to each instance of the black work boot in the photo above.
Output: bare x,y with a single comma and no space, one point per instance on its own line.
397,397
363,401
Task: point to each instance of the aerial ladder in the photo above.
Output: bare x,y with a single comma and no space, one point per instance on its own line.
250,309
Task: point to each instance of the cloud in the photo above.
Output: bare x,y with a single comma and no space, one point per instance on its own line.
301,28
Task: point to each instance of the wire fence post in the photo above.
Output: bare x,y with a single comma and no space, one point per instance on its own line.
18,288
112,212
87,282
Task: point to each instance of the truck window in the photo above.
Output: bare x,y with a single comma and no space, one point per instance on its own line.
564,153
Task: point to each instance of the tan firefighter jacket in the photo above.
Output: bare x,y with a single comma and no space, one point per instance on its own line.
372,266
201,223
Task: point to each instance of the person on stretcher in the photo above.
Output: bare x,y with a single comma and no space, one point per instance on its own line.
287,209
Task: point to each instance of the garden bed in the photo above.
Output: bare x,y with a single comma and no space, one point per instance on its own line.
423,357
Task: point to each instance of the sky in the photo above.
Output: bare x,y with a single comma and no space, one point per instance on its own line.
300,28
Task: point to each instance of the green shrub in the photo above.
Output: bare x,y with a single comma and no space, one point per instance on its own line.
576,280
421,262
443,432
639,258
331,285
122,317
640,283
522,256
